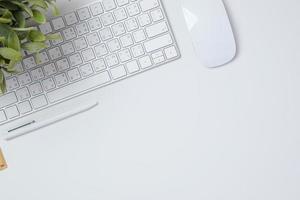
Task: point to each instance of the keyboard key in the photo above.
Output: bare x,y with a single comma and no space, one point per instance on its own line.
157,54
78,87
45,28
39,102
62,64
35,89
131,24
120,14
159,59
50,69
171,52
109,5
8,99
24,107
61,79
80,43
67,48
114,45
54,53
122,2
133,9
124,55
107,19
144,20
157,15
71,19
105,34
126,40
145,62
12,112
82,29
157,29
37,74
2,116
88,55
137,50
24,79
23,94
48,84
58,23
83,13
29,62
96,8
148,4
99,65
93,39
118,29
118,72
43,58
86,70
69,33
74,74
12,83
101,50
75,59
95,24
158,43
132,67
139,36
112,60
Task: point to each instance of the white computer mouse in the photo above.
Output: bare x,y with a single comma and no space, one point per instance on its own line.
210,30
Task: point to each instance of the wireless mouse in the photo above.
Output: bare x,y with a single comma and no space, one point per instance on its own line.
210,30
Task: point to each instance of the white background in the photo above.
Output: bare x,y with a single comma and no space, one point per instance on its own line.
181,131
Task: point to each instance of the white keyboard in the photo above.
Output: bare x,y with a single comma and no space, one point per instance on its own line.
102,43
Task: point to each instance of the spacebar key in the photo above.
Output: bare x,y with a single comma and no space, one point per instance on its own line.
78,87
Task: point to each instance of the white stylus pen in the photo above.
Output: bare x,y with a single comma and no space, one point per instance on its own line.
35,125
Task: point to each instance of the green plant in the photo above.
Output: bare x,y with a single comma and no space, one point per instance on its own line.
16,33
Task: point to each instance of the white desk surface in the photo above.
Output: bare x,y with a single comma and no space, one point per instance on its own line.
181,131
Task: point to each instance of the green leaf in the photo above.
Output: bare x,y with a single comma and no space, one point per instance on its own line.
23,29
55,10
38,16
2,62
2,39
1,76
13,41
34,47
11,66
2,10
22,35
8,5
2,82
10,54
37,57
39,3
54,36
23,7
7,14
5,20
36,36
4,30
20,18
